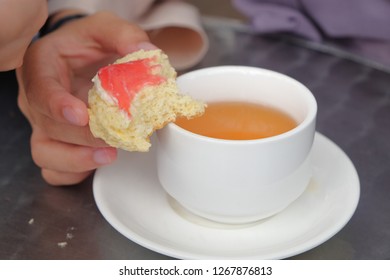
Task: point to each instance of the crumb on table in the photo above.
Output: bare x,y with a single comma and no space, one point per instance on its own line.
62,244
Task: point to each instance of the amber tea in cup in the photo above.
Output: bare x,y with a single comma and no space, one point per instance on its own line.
239,121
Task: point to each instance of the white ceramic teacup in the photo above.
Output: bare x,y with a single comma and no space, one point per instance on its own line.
239,181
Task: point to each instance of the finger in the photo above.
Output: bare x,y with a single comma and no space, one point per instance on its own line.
48,86
50,99
58,131
22,101
118,35
57,178
67,133
64,157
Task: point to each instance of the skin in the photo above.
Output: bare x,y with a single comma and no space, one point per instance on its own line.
20,20
54,81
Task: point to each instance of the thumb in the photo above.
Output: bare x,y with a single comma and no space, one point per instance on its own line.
114,34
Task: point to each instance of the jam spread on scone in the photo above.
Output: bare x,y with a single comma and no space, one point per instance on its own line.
124,80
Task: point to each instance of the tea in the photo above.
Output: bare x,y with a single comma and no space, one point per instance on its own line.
239,121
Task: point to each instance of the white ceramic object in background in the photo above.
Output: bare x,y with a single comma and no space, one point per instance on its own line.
239,181
175,27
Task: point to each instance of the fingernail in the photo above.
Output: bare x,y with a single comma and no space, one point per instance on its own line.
102,156
147,46
71,116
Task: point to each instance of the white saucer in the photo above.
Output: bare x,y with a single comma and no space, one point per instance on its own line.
131,199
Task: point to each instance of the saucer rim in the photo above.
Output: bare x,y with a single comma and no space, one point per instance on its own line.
307,244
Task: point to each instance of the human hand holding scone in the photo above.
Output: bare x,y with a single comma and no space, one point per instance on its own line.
53,86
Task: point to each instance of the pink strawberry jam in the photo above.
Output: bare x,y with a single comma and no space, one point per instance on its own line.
123,81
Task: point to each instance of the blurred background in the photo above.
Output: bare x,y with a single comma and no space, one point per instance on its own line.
218,8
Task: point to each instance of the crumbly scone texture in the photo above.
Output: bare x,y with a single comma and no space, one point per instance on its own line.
152,108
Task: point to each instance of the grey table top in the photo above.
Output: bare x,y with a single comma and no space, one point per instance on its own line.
354,111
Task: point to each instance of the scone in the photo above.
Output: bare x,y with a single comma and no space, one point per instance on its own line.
135,96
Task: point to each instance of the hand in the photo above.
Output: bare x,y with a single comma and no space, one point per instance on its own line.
53,87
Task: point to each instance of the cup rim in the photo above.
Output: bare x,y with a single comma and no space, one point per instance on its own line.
309,118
